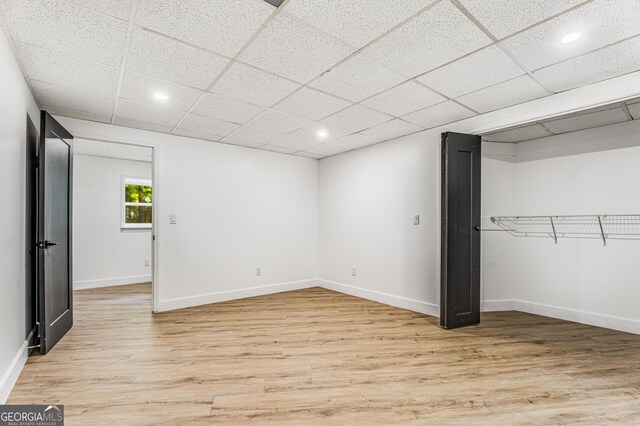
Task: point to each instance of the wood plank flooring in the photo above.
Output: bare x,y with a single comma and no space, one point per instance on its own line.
320,357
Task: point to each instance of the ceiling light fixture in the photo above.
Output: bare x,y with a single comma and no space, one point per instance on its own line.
322,134
161,96
571,37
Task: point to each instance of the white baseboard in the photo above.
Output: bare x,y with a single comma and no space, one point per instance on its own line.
109,282
496,305
12,373
575,315
388,299
223,296
590,318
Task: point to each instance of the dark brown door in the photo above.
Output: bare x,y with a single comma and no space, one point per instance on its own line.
55,156
460,280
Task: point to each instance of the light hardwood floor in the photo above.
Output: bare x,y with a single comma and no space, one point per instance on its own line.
319,357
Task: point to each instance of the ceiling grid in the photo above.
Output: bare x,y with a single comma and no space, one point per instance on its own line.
328,67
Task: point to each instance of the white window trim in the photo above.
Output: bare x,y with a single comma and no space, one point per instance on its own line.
123,204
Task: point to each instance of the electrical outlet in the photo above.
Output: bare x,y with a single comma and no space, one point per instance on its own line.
258,271
146,262
416,219
354,272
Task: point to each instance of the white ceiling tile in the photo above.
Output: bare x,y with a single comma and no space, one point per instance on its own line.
392,129
634,110
308,136
241,142
163,57
357,79
502,95
220,26
72,99
150,114
503,18
309,155
437,36
519,134
476,71
136,124
278,149
600,65
252,134
227,109
345,144
356,22
587,120
67,28
403,99
250,84
357,118
120,9
58,68
600,22
279,121
197,135
311,104
81,115
433,116
293,50
214,129
142,88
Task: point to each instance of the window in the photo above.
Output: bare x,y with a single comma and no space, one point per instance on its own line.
137,203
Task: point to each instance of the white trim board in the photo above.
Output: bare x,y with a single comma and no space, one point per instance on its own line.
583,317
12,373
388,299
109,282
568,314
224,296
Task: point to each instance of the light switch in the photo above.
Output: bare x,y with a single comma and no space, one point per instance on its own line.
173,219
416,219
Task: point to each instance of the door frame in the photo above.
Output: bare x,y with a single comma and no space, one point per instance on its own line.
155,296
31,232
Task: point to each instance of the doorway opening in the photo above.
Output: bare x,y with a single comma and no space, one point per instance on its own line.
89,225
114,201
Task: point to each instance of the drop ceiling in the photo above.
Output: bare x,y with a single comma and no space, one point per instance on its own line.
358,72
588,119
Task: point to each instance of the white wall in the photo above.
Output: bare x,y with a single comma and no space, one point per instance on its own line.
580,280
368,198
15,103
237,209
105,254
367,202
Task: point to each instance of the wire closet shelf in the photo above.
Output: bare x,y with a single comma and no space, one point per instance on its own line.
602,227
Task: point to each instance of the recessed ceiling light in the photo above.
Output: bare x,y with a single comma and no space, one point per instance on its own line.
571,37
161,96
322,134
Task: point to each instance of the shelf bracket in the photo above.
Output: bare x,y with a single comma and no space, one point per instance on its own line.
553,227
604,238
